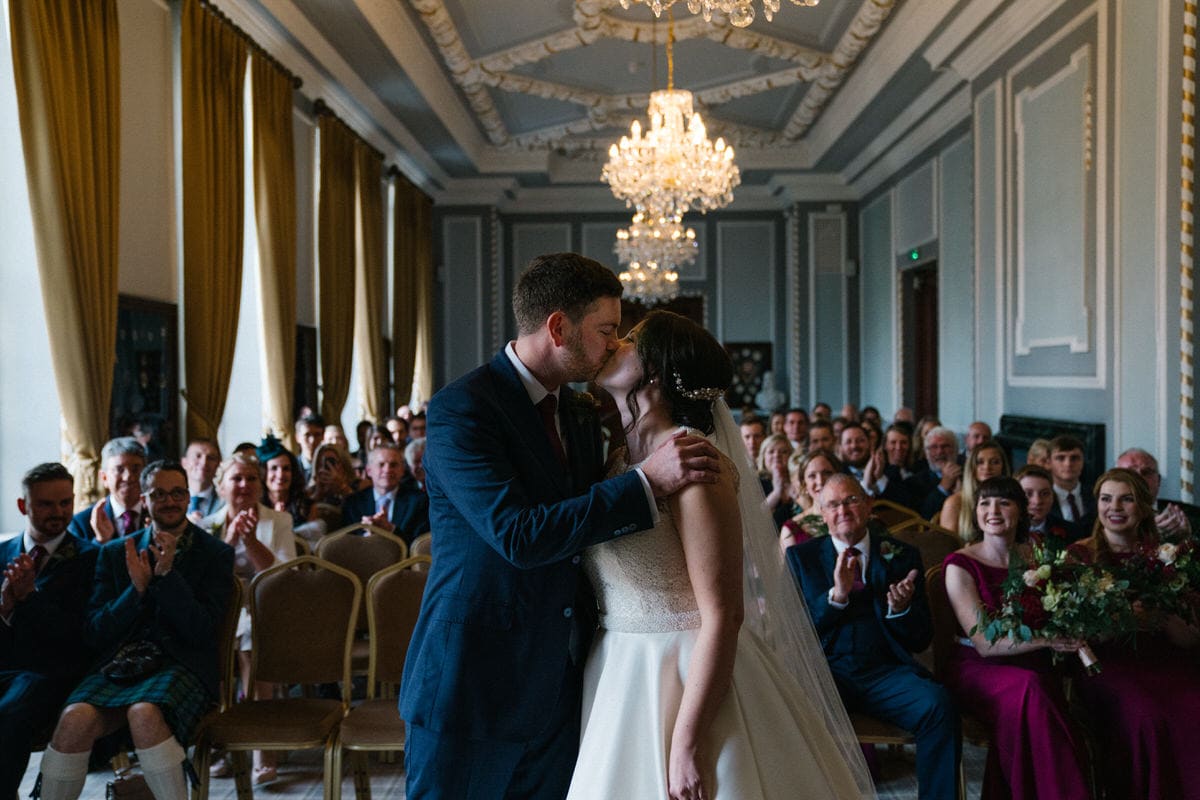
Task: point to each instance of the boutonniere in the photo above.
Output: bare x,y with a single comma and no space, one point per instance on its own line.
582,406
888,550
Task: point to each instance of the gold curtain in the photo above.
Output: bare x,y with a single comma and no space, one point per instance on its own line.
66,61
275,215
412,304
335,263
368,328
214,70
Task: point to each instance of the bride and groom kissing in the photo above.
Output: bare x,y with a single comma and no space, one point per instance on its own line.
509,688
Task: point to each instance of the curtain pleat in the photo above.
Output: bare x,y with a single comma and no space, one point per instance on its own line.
335,263
214,70
412,304
423,360
66,61
275,217
368,327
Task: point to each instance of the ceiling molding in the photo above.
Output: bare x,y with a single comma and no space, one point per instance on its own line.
597,199
1018,19
348,97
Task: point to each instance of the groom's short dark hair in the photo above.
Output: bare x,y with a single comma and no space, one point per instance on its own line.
566,282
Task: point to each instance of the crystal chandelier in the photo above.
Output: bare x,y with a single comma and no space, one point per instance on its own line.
652,249
739,12
673,167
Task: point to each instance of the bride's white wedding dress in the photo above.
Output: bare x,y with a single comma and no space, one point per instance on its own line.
769,740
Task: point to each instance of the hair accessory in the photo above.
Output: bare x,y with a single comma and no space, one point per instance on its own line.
706,393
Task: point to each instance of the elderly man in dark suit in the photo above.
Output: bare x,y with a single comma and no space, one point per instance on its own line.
1174,518
866,594
46,583
165,588
122,511
393,501
929,487
493,679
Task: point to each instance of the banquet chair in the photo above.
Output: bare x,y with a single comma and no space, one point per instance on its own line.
303,614
892,514
422,546
393,603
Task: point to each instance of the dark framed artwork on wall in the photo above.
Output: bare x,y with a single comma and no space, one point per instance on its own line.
304,388
751,361
145,391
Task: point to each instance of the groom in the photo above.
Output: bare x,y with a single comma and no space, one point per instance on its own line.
491,689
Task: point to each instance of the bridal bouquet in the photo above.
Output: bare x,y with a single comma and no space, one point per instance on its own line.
1053,598
1164,579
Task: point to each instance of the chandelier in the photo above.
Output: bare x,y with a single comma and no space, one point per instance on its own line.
739,12
652,249
673,167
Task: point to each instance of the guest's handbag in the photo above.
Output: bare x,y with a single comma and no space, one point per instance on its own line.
133,662
128,785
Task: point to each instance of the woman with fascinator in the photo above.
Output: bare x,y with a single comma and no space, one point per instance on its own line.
706,679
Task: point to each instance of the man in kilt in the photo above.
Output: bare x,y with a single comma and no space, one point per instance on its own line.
162,591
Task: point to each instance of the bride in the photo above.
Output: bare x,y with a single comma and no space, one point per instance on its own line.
706,680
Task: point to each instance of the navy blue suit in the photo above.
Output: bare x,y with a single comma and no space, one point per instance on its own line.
492,681
409,511
182,611
81,523
870,653
925,494
41,651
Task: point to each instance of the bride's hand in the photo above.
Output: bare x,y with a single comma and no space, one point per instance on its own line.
683,775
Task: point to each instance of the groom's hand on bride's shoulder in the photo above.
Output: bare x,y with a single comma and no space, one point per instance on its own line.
682,459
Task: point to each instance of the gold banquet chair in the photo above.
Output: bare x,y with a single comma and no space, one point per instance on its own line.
892,514
303,614
393,603
422,546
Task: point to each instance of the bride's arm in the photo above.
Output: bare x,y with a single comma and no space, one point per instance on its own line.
710,529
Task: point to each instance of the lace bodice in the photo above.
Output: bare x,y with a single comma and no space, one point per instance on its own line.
641,579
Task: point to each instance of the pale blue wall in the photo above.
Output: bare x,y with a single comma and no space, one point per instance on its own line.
877,290
956,285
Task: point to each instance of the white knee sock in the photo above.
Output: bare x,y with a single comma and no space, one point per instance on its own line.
63,774
163,767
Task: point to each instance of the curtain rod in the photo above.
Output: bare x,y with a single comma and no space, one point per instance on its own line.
255,47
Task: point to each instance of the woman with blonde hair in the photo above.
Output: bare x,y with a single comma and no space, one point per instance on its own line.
987,460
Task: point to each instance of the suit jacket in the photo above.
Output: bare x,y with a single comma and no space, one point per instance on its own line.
210,505
894,491
925,496
490,648
1087,513
182,611
812,564
45,635
409,511
81,523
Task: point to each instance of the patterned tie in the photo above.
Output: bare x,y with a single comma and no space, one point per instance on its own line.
1075,516
127,520
38,554
548,407
858,581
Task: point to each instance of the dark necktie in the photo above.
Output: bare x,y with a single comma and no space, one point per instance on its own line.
1075,516
38,554
194,503
547,408
858,574
127,521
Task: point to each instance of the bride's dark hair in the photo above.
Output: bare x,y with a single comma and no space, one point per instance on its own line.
686,360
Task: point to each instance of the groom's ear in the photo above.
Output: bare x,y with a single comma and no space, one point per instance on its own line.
556,326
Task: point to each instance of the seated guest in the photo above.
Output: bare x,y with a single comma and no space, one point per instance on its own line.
122,511
777,421
809,473
924,426
904,414
260,537
1146,700
1009,686
773,473
977,433
871,414
360,437
929,487
336,436
753,431
201,460
283,487
795,427
376,436
393,502
1039,453
820,436
397,428
168,587
1170,518
866,465
310,431
414,457
332,479
416,426
987,460
839,425
866,595
46,583
1038,486
1066,466
874,436
823,411
897,447
849,412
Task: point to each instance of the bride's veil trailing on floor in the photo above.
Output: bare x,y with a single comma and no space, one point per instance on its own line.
775,609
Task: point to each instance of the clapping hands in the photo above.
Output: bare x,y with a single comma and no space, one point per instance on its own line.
102,526
900,593
18,584
242,527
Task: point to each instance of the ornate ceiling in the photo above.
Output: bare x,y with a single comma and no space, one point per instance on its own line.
491,101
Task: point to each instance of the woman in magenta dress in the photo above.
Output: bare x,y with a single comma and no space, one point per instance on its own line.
1145,704
1009,686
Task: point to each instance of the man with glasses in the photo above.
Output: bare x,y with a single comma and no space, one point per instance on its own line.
121,512
1172,519
866,594
164,589
930,487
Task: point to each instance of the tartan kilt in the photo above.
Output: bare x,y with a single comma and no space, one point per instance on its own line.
179,695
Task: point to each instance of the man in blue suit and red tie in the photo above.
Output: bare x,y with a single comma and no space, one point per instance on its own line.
122,512
492,681
43,597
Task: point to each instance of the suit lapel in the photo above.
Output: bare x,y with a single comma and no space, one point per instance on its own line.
582,457
514,403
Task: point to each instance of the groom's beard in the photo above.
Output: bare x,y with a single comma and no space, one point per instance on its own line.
579,367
